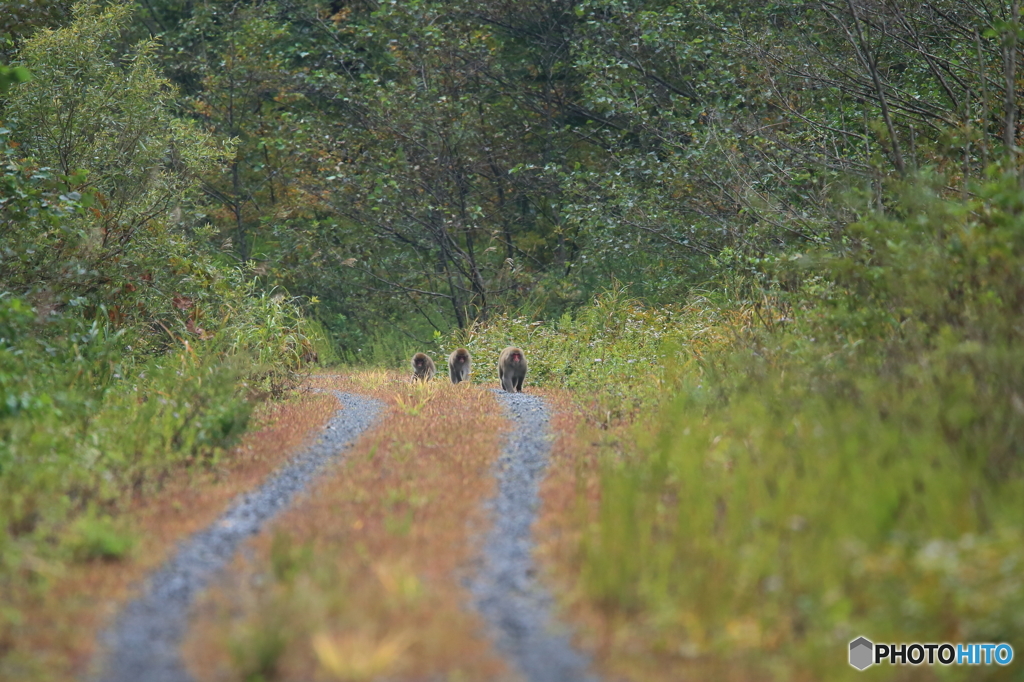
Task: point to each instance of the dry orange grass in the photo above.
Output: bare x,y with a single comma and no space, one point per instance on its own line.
57,637
622,645
362,578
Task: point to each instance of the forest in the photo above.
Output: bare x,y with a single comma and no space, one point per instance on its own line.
765,258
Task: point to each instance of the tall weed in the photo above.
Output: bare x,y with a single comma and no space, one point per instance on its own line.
841,458
87,425
854,472
617,351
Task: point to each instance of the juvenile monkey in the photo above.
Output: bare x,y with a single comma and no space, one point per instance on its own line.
422,367
458,365
512,369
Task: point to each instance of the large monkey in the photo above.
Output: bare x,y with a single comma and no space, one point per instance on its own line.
512,369
422,367
458,365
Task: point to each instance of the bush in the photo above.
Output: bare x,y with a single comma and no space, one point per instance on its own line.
840,458
126,349
81,426
623,353
98,538
856,471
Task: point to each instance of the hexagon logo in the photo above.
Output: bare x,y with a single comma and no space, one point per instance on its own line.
861,650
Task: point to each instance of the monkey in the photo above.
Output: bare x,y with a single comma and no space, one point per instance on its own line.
422,367
512,369
458,365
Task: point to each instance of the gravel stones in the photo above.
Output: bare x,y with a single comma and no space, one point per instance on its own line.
143,645
515,606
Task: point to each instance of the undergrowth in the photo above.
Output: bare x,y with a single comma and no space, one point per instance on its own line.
841,459
621,357
128,350
87,428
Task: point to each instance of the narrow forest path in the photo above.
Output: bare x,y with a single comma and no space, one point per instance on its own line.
507,593
143,645
407,493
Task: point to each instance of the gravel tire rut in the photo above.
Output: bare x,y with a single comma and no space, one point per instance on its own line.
516,607
143,644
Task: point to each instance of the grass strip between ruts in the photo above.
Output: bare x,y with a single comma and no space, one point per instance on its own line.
362,578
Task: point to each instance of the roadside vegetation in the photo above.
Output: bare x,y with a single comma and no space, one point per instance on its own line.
841,459
128,353
68,602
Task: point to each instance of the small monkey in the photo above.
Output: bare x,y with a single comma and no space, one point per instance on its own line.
422,367
458,365
512,369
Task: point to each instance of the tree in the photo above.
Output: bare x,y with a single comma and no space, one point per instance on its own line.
11,75
101,124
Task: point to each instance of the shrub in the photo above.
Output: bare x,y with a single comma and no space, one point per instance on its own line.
855,471
95,537
125,347
619,351
841,458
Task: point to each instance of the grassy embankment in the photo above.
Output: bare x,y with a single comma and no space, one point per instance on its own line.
108,460
360,579
61,611
131,353
743,489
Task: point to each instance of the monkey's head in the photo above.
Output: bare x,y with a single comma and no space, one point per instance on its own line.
461,356
516,357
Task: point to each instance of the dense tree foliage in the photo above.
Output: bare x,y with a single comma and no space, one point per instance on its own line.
430,163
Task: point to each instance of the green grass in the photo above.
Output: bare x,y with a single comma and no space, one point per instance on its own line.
778,527
89,424
617,354
94,537
843,459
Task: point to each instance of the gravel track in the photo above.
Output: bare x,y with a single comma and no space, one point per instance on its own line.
506,593
143,644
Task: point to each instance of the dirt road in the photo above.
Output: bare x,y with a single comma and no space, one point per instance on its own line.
143,645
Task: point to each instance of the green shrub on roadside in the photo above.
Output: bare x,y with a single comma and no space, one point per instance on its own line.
128,351
622,353
855,473
845,462
793,519
82,425
95,537
256,649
